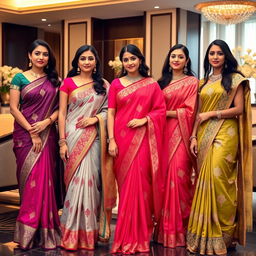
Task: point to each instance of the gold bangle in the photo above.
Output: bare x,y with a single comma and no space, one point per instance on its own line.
109,139
218,114
62,142
192,137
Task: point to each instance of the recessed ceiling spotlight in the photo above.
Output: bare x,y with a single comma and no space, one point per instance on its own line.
43,19
49,25
156,7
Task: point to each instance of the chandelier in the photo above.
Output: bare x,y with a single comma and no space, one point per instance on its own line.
227,12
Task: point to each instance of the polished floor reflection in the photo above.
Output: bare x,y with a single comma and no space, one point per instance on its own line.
9,210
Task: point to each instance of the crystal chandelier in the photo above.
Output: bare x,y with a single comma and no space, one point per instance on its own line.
227,12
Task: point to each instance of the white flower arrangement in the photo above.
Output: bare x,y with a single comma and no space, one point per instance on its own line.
6,75
247,62
116,64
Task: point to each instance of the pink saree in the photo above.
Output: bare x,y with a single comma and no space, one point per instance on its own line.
89,176
38,220
180,96
137,164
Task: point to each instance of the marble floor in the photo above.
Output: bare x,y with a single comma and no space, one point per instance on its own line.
9,210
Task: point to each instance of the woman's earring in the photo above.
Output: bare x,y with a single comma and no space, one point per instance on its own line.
30,63
185,70
226,65
78,70
94,70
170,69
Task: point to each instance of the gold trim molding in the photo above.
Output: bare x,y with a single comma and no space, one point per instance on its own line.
38,6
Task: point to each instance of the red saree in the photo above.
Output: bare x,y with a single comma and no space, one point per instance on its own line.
180,96
137,164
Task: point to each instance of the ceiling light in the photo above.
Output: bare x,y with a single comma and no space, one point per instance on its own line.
49,25
156,7
227,12
43,19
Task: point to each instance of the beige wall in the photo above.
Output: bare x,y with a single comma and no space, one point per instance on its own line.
76,34
1,39
161,34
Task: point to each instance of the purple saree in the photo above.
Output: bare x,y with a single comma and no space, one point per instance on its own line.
38,220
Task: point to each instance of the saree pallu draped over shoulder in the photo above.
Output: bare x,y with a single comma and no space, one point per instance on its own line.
89,177
38,220
180,96
137,165
222,205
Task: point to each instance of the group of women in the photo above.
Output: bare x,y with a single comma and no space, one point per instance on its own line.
178,149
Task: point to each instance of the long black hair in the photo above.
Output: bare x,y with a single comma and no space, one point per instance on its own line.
50,69
134,50
230,65
96,76
167,73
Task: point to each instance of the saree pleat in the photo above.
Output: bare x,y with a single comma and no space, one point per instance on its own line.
137,164
214,220
38,220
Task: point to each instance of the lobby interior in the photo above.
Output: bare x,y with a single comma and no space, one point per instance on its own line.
153,25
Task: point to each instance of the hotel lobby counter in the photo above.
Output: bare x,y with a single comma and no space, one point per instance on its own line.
6,125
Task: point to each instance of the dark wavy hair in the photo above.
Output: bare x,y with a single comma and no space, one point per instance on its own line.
167,75
96,76
134,50
230,65
50,69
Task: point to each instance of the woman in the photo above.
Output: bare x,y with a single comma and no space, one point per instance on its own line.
136,116
221,207
35,144
83,150
180,92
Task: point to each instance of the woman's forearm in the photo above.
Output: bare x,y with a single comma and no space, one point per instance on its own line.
20,119
110,124
172,114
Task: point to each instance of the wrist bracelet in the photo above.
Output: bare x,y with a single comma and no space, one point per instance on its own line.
109,139
51,121
61,142
218,114
192,137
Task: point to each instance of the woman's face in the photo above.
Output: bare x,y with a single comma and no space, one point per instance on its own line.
177,60
216,57
131,63
87,62
39,57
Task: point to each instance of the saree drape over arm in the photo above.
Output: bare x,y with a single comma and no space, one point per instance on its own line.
38,220
88,172
137,164
222,205
180,96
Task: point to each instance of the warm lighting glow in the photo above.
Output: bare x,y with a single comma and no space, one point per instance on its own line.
227,12
156,7
43,19
29,3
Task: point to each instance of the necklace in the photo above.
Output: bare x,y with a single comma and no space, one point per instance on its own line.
133,79
178,77
214,78
35,75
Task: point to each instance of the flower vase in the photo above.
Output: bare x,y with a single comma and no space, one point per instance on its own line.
5,98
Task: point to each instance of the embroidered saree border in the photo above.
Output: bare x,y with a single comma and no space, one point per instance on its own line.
87,239
79,151
86,87
174,142
25,236
131,152
133,87
33,85
186,81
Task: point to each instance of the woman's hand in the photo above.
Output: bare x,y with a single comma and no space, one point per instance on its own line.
202,117
37,143
193,147
39,126
137,122
112,148
64,152
86,121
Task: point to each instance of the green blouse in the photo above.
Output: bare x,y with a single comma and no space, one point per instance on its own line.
19,82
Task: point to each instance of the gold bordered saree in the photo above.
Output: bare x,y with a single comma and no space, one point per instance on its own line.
222,204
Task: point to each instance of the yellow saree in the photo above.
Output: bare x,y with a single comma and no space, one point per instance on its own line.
221,208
